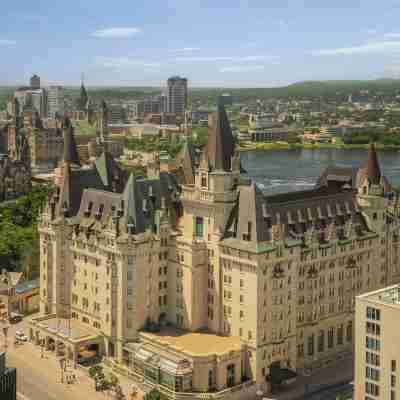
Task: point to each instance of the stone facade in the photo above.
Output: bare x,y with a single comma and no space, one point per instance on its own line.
15,169
203,249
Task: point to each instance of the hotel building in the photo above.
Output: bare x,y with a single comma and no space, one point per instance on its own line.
196,281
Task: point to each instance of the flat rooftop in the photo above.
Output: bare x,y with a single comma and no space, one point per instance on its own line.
195,343
389,295
71,329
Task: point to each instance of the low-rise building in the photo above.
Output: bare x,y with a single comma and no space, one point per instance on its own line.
17,295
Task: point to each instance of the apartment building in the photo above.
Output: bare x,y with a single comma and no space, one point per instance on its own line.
377,347
198,274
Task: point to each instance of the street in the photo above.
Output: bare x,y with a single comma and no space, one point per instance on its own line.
40,379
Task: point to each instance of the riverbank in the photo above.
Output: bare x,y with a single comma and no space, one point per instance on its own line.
250,146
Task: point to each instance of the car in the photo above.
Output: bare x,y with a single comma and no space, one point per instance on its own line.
15,319
19,335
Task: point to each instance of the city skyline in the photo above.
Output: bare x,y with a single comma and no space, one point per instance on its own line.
232,46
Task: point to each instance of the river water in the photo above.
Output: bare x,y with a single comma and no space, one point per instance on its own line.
279,171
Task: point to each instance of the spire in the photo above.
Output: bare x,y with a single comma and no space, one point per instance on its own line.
373,169
220,141
83,98
70,155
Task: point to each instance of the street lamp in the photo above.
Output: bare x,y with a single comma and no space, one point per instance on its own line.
42,349
61,360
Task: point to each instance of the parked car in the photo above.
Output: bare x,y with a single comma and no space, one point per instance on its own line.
19,335
15,318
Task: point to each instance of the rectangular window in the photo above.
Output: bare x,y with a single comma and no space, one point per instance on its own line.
373,314
310,345
199,227
393,367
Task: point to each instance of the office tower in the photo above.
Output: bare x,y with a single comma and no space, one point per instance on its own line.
8,380
177,95
55,101
35,82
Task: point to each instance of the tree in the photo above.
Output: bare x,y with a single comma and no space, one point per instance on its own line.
95,370
154,394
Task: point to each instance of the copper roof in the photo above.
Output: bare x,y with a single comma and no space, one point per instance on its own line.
373,170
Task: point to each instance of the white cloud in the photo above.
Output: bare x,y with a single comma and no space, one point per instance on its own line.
367,48
185,49
242,68
226,58
124,62
121,32
7,42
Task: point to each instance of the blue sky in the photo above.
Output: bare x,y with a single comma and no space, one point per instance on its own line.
233,43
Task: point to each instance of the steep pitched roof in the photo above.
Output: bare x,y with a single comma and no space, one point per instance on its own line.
373,169
73,183
109,171
70,154
186,158
220,145
133,206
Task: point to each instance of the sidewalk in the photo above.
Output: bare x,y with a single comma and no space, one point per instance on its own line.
336,373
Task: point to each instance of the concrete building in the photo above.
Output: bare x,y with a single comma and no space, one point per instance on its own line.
29,98
177,95
55,103
196,281
117,114
377,346
35,82
8,380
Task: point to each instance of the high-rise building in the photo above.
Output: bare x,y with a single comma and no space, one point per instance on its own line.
177,95
8,380
29,98
35,82
198,274
377,345
55,101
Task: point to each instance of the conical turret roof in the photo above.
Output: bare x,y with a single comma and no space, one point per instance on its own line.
220,145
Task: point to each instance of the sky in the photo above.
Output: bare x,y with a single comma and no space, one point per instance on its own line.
223,43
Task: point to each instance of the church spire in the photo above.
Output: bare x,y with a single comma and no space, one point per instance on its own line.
373,169
83,98
220,145
70,154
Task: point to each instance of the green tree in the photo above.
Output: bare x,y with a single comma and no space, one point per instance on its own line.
154,394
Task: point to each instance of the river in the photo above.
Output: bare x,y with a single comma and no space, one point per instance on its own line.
279,171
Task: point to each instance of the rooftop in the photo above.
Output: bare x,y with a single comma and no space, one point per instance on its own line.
195,343
389,295
27,286
72,329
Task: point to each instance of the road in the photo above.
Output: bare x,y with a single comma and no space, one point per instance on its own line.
40,379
